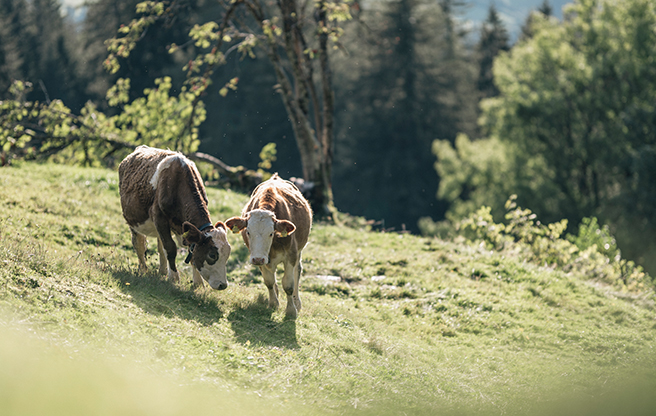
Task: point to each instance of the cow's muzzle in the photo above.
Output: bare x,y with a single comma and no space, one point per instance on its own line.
219,286
259,261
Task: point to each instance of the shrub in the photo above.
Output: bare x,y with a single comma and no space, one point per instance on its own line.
592,253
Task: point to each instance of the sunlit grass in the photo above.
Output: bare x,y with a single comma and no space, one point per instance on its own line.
405,325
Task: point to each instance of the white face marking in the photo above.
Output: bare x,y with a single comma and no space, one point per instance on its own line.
216,274
165,163
147,228
260,235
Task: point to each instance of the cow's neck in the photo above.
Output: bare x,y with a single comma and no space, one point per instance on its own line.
195,209
197,215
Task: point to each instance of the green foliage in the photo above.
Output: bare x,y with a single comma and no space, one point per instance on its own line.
469,174
591,234
159,120
575,110
232,84
51,130
591,253
267,156
121,47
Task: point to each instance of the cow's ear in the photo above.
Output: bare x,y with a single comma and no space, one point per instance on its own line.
190,234
236,224
284,228
220,224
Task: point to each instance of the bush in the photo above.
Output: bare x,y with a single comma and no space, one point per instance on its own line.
591,234
592,253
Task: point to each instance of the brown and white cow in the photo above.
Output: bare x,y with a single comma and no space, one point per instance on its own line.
275,225
162,192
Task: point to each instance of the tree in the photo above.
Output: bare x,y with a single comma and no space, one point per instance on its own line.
494,39
545,10
11,59
38,45
291,34
150,59
576,113
409,81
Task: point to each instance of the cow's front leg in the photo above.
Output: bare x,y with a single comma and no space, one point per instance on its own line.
290,286
163,261
170,249
198,279
139,243
269,277
298,268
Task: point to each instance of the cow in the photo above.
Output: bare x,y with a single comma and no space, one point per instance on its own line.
162,192
275,225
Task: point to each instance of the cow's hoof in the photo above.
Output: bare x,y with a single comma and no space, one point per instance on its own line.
174,277
290,311
273,298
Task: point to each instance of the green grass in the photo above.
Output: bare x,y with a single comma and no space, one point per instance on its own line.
414,326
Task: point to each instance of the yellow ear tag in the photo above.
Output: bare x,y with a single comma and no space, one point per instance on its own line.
283,233
235,229
185,235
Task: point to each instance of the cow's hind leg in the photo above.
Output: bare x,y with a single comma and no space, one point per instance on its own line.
290,285
139,244
269,277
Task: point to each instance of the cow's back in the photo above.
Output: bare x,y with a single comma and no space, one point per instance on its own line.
135,173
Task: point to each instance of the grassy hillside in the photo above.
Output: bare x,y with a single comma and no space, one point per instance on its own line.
391,323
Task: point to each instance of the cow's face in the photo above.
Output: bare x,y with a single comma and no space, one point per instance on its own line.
210,253
260,227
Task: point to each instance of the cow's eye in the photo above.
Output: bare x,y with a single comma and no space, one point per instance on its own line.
271,235
213,256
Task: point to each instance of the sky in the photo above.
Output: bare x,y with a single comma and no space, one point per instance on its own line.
512,12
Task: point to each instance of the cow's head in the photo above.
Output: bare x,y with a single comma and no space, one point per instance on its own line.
209,251
259,227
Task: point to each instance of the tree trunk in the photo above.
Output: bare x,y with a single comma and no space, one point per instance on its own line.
325,190
299,96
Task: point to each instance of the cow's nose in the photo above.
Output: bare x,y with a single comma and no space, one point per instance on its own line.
258,261
219,286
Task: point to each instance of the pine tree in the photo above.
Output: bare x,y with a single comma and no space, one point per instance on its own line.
412,90
50,62
37,45
11,59
545,9
494,39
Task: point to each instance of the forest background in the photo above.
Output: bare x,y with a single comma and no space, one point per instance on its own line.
434,116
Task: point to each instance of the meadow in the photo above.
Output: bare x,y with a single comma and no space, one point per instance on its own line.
392,324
